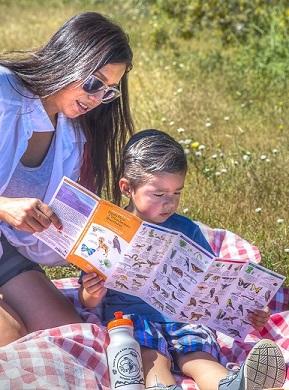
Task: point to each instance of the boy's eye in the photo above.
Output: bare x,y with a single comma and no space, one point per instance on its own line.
158,195
178,193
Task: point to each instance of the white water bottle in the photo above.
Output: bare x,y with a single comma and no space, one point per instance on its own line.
123,355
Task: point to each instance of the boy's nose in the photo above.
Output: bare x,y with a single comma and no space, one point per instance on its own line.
169,202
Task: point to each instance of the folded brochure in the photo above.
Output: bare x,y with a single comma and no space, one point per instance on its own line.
162,266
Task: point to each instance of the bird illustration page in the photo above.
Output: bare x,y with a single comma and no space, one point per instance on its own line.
163,267
187,284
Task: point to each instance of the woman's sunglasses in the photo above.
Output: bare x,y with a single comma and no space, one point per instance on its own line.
95,86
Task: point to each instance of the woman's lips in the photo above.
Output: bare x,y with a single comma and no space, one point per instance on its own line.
81,107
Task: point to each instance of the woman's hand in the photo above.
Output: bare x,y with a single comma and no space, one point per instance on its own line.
28,214
92,291
260,318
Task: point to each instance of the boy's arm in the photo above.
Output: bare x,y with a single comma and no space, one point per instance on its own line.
92,290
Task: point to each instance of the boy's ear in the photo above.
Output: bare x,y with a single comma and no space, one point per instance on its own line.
125,187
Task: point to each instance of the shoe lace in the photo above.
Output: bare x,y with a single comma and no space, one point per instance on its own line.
233,369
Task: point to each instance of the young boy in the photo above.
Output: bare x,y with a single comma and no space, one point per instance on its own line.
152,176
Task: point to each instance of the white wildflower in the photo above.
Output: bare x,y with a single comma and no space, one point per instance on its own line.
226,118
185,210
202,147
180,130
198,153
239,27
214,156
280,220
258,210
263,157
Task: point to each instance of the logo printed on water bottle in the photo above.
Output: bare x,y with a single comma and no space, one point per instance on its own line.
126,364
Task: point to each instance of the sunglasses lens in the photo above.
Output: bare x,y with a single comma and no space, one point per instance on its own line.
92,85
110,95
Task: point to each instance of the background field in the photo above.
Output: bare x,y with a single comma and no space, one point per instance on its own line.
215,78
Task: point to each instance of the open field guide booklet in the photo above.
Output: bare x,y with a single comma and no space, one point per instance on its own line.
161,266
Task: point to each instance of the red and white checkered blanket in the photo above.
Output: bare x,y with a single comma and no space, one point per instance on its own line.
73,356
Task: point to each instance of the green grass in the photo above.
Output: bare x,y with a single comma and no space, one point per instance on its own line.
239,179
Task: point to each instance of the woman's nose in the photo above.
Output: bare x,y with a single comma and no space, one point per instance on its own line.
95,98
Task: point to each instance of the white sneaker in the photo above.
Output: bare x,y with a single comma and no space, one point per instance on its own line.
264,368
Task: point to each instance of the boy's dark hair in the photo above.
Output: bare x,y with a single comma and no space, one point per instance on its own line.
150,152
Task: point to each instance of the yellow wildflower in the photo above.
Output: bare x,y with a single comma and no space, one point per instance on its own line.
195,145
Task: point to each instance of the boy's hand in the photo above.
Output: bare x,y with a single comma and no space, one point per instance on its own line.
92,290
260,318
94,285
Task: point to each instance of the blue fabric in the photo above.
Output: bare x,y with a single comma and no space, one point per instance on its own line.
21,114
129,304
173,338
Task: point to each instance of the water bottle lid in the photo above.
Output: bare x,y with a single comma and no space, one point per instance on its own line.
119,321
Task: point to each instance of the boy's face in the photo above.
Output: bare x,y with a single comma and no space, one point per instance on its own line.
157,199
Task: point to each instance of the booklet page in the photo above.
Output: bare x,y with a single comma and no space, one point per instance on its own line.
74,205
176,280
252,289
104,239
142,258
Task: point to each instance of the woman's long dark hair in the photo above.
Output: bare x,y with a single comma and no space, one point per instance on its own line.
84,44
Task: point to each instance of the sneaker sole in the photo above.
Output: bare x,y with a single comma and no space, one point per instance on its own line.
265,367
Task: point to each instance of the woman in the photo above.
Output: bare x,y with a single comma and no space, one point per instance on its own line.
64,110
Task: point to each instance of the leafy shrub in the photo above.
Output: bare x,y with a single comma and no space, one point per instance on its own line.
236,19
246,40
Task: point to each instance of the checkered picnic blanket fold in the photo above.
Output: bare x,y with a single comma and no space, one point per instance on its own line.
73,356
228,245
67,357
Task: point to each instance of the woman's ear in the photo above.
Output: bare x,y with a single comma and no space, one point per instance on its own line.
125,187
